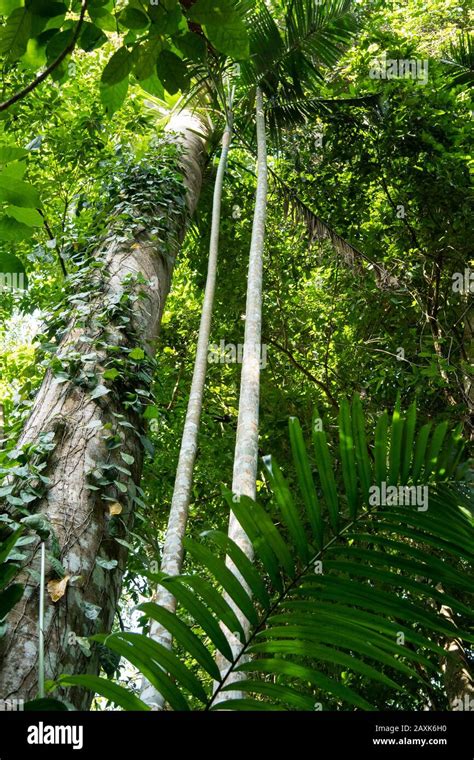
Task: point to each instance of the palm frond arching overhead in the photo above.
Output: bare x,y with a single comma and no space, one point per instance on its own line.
318,229
311,35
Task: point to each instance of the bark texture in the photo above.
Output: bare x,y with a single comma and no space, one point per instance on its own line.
80,518
457,675
246,446
172,557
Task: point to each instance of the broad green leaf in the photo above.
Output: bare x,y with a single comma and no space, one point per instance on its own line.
225,27
102,18
7,573
46,8
11,153
113,96
29,216
172,72
18,193
132,18
118,67
153,86
7,6
12,230
192,45
57,44
45,704
145,58
15,34
91,37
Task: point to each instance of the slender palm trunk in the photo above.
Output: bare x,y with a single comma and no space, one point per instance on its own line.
246,447
80,424
173,550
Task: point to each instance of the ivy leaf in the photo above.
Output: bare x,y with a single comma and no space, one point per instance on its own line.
111,374
107,564
172,72
137,354
151,413
91,611
38,523
100,390
127,458
118,67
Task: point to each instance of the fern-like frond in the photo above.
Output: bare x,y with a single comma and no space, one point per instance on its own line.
366,543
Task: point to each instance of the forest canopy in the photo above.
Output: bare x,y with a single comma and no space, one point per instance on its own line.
236,345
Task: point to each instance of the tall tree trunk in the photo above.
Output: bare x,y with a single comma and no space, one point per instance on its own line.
246,446
457,675
79,516
173,549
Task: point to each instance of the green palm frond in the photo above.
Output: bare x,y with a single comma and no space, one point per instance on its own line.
357,555
460,59
286,54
